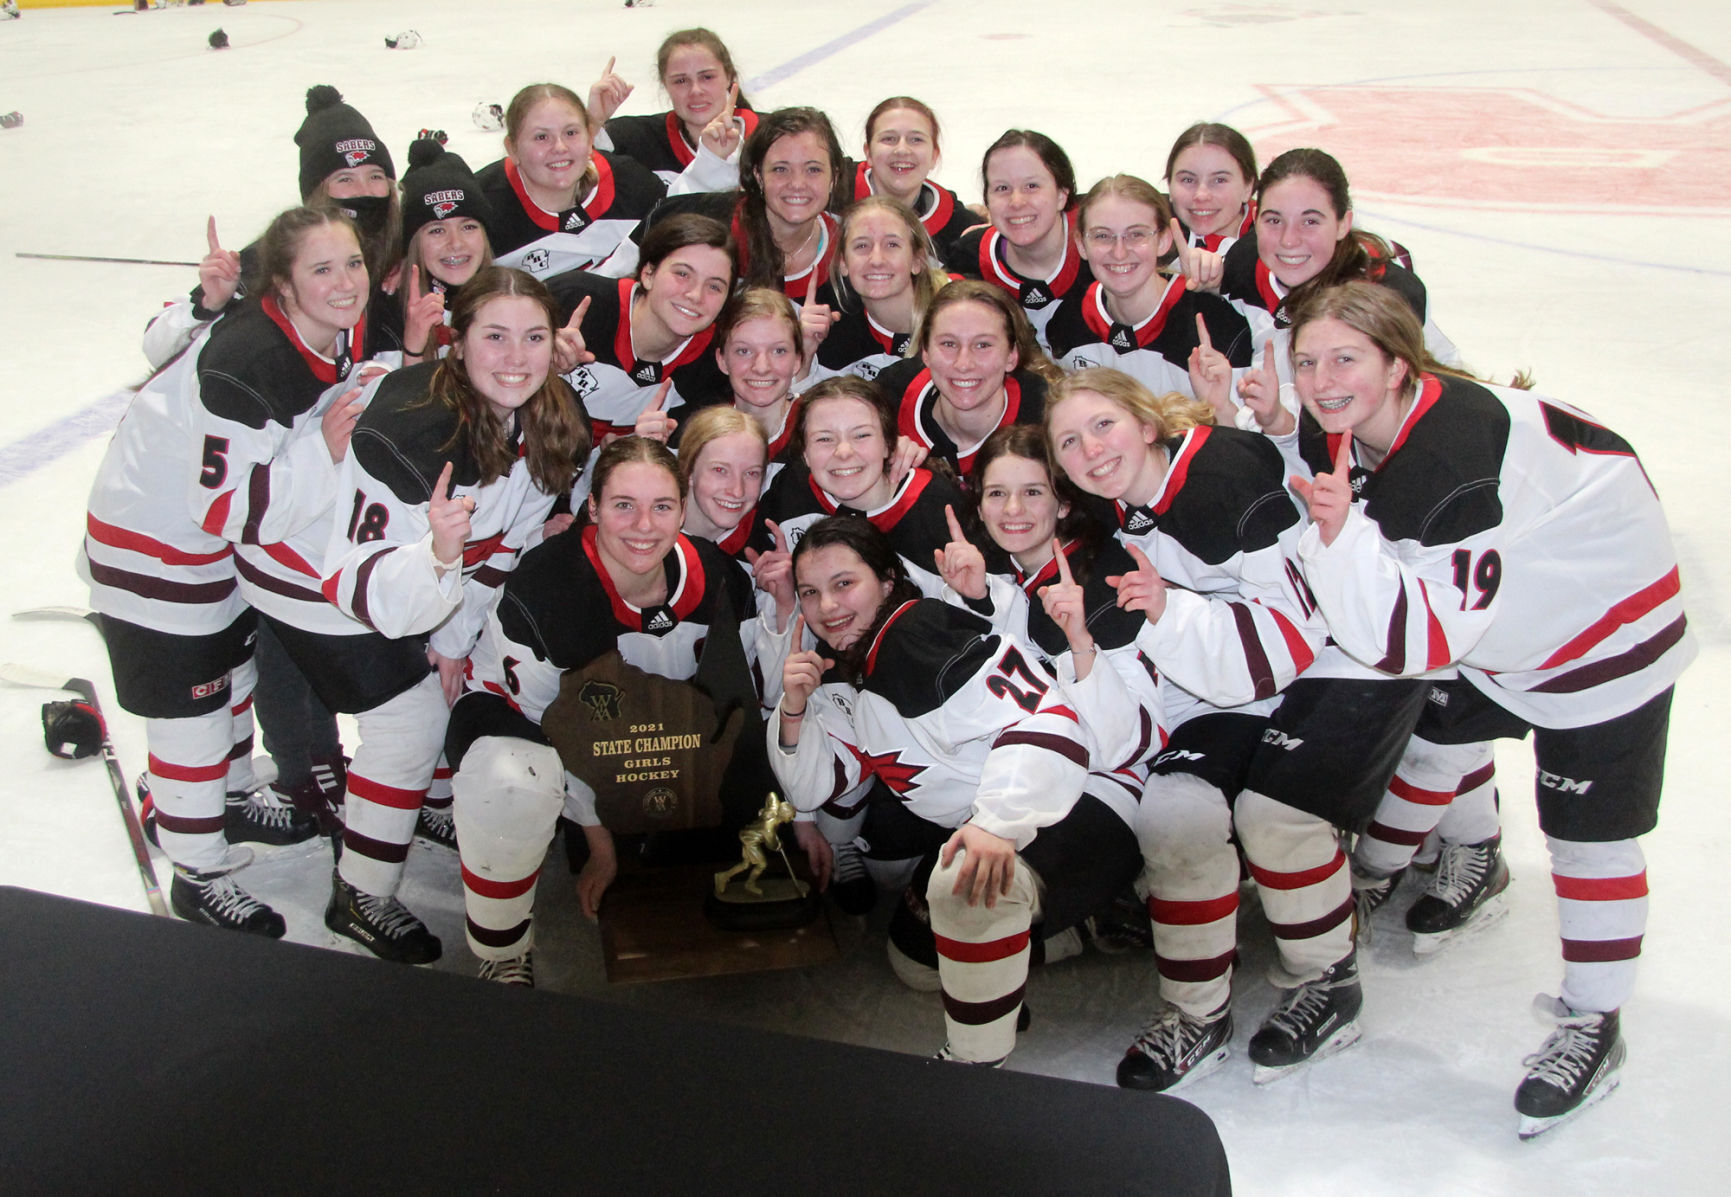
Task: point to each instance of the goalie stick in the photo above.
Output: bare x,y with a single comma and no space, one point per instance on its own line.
19,675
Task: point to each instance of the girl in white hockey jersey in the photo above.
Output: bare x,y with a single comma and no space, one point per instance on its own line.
454,465
1512,536
646,590
560,203
982,760
248,426
1204,513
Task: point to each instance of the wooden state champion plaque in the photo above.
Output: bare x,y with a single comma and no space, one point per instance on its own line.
654,750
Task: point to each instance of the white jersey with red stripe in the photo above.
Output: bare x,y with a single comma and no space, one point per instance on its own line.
958,721
226,440
1514,536
379,566
1223,532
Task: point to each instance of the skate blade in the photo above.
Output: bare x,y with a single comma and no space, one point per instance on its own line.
1336,1043
1493,911
274,853
1532,1128
1201,1070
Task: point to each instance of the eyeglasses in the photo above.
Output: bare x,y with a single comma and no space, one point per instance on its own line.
1140,237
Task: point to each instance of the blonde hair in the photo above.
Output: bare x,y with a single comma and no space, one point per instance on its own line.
709,425
1169,415
931,277
1136,191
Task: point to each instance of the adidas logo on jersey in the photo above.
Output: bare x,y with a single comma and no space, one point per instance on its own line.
1139,521
661,621
647,372
574,220
1034,297
1121,340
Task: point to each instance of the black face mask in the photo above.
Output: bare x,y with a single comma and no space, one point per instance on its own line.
369,212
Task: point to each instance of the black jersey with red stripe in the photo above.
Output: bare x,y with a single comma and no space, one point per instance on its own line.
1157,351
940,210
657,142
617,386
909,385
525,235
856,344
1247,281
724,206
979,253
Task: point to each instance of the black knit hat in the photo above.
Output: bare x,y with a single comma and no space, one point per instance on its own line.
439,186
335,136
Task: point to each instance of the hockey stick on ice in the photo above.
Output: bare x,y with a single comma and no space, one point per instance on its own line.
20,675
87,258
83,613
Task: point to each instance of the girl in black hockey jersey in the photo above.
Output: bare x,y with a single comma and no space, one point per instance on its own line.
846,434
694,146
1304,241
978,368
1135,317
651,593
758,348
252,420
452,468
646,341
884,276
1211,174
1204,512
983,762
1028,250
901,148
722,454
1515,538
790,180
559,203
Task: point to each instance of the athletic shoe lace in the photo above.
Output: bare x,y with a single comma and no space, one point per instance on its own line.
518,970
228,901
1460,870
849,862
390,916
265,810
1568,1054
1170,1037
1300,1009
1368,896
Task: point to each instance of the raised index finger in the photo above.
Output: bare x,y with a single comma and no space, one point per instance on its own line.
732,98
1180,242
1202,329
775,530
1063,564
950,519
1343,457
661,395
442,488
1139,557
798,630
608,69
210,236
578,313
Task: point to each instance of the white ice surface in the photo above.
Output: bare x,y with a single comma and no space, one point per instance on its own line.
134,131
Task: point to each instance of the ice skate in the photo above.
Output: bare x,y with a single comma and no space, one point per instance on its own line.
850,885
1312,1022
1177,1050
1578,1067
518,971
264,816
436,825
1464,897
1371,891
384,926
212,897
947,1053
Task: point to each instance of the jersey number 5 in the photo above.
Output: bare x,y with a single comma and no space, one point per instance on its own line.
1016,681
1485,577
215,463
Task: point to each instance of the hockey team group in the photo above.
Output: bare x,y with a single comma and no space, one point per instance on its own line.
1094,554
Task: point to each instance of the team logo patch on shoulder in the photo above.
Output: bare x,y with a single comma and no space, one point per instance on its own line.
536,261
582,381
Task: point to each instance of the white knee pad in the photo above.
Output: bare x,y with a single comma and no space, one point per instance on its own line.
507,798
1182,823
1273,833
